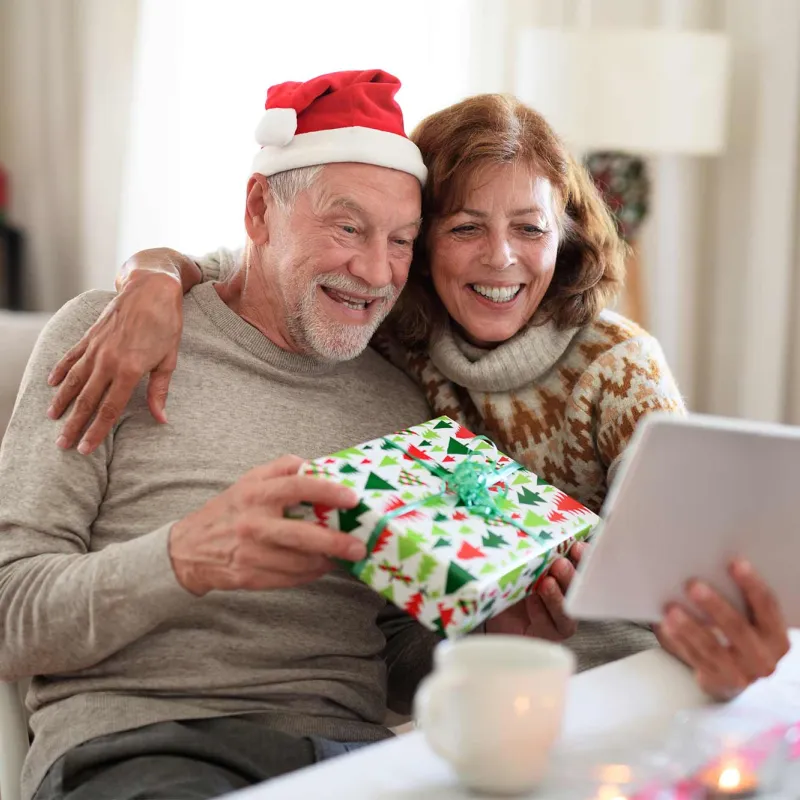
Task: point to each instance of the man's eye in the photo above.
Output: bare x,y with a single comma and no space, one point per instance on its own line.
403,242
351,229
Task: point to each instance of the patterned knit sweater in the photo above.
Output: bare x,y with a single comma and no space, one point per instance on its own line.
563,403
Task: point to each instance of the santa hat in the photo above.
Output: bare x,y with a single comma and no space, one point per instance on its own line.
344,116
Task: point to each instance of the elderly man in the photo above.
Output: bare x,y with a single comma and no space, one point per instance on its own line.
186,638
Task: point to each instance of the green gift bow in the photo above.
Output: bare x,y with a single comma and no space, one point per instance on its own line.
470,481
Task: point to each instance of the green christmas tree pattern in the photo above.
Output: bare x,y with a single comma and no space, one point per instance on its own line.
430,553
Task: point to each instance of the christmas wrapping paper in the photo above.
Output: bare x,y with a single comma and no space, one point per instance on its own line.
455,530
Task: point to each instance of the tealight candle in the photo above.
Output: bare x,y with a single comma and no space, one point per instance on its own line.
729,778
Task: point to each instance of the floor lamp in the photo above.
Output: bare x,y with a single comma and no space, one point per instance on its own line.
627,94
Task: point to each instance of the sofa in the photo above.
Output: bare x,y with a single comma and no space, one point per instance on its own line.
18,333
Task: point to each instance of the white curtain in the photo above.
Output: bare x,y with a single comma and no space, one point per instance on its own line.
65,72
720,247
129,123
202,72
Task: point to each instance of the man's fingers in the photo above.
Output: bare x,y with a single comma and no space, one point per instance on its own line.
256,578
294,489
284,466
157,391
305,537
279,481
108,414
764,607
293,563
83,408
68,361
277,580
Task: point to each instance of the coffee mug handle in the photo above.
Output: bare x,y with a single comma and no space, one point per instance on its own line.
429,702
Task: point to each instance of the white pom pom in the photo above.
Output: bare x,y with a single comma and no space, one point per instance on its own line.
277,127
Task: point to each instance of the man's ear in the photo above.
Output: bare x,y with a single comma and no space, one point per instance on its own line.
257,210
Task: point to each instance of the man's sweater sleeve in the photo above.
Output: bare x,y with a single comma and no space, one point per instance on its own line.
63,606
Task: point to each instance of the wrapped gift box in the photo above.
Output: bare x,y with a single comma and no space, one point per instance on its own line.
455,530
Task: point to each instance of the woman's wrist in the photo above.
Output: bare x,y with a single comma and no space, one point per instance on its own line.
161,261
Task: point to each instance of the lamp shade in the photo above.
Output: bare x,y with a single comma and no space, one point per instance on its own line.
642,91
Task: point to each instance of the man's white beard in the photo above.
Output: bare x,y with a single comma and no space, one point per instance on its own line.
315,333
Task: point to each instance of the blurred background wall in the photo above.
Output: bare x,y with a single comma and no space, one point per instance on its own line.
128,123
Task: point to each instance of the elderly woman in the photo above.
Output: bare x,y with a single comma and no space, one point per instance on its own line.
505,325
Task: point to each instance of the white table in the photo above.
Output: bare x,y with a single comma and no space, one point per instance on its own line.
636,697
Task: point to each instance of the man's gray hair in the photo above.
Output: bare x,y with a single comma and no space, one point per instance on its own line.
285,186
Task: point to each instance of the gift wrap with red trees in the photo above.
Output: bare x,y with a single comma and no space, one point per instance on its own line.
455,530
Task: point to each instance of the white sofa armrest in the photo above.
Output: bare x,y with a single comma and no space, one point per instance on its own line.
14,740
18,333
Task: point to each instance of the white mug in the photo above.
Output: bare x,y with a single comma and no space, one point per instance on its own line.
493,708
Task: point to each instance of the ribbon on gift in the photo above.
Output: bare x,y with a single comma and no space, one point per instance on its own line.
470,481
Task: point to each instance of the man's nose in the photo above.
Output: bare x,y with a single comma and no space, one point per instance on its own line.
372,264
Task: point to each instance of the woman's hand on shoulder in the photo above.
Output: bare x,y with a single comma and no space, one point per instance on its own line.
138,332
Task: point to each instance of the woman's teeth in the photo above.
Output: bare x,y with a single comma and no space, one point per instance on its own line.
497,294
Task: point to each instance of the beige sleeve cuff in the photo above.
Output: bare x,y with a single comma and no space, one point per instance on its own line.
219,265
148,558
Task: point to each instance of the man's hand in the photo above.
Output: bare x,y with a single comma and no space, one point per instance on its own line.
729,651
138,332
241,540
541,614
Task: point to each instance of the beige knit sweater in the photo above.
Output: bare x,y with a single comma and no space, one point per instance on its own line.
89,602
563,403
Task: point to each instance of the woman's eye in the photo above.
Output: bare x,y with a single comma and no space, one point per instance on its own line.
532,230
467,228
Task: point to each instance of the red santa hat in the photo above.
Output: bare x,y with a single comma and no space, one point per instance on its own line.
344,116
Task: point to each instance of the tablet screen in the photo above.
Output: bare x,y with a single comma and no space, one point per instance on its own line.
693,493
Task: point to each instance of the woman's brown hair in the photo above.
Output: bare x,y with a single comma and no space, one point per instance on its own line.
487,129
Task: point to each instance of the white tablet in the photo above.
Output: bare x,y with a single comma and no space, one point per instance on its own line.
693,493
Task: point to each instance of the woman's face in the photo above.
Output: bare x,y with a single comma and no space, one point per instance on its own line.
493,259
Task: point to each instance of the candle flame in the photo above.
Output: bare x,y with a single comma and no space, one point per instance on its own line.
610,793
730,778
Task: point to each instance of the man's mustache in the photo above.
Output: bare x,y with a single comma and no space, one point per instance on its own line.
343,283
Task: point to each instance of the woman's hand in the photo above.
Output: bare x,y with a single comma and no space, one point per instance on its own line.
731,650
138,332
541,614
